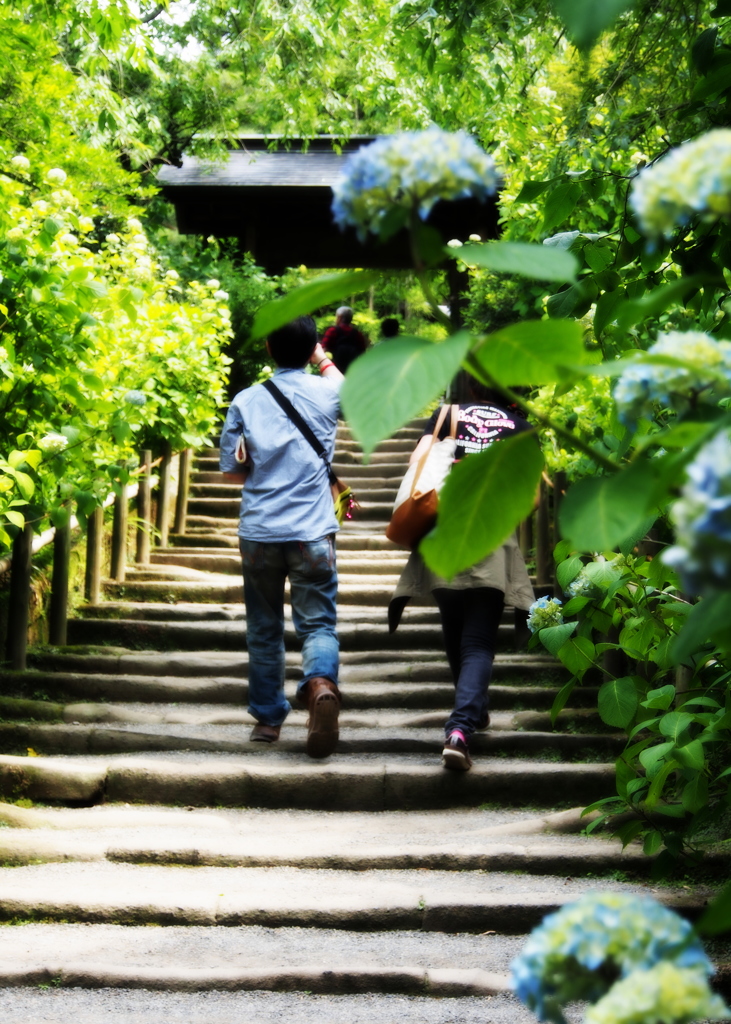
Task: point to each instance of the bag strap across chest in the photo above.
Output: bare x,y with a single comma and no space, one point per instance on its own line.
304,428
453,410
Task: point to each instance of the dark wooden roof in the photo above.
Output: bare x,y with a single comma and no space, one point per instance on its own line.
277,203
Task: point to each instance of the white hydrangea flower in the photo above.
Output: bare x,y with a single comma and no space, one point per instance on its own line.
68,239
693,179
133,224
172,275
213,284
15,234
410,171
86,224
41,206
52,443
135,398
20,162
56,176
113,238
221,295
454,243
706,375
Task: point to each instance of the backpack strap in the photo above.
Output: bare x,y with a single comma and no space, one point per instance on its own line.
304,428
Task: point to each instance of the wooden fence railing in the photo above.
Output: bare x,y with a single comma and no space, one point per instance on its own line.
26,545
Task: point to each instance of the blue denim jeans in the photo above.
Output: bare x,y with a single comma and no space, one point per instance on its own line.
313,582
470,620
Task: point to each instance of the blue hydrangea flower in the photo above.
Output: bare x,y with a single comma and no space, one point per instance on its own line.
411,170
705,375
135,398
693,179
702,552
664,994
582,949
546,611
582,586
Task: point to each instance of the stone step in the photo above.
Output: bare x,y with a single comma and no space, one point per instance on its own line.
219,508
192,611
419,695
193,636
367,488
86,994
488,840
113,738
229,561
130,894
273,778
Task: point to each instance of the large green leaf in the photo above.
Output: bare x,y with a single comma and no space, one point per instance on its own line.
659,299
554,637
560,204
598,513
392,383
717,918
577,654
532,352
708,618
539,262
585,20
484,499
308,297
618,701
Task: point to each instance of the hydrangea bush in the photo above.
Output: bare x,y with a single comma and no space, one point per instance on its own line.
632,957
692,179
543,613
410,171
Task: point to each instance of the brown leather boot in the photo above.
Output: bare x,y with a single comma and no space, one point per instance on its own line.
323,704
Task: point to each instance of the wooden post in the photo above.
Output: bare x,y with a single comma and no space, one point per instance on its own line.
58,612
94,537
144,504
18,614
163,497
543,539
181,503
119,536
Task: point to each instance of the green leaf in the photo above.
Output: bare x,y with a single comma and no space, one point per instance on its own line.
532,352
707,619
26,486
717,918
561,698
658,783
538,262
52,226
392,383
577,654
653,842
606,308
674,724
531,190
554,637
598,256
16,518
60,517
626,833
566,572
585,20
722,9
719,80
692,755
695,793
560,204
603,574
661,698
483,500
309,297
651,757
598,513
703,49
659,299
618,701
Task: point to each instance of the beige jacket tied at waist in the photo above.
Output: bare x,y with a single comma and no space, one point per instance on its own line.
503,570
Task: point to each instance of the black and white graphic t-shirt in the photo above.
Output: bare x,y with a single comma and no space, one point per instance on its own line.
479,425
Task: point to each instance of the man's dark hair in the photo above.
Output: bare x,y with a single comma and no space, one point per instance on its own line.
292,345
390,327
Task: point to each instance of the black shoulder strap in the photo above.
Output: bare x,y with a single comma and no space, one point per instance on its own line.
303,427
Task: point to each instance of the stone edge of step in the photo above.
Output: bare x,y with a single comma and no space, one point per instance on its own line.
406,980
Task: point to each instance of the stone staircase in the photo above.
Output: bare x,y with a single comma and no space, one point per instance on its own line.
358,888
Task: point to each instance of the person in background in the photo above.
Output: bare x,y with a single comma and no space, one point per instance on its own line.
287,528
390,327
343,341
471,604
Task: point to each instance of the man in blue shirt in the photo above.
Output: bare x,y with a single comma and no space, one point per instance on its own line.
287,529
